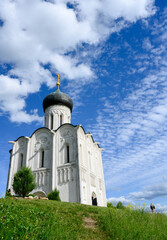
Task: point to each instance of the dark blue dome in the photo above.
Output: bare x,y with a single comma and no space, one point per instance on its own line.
57,98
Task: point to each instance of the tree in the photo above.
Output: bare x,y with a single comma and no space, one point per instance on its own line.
110,205
24,181
120,205
54,195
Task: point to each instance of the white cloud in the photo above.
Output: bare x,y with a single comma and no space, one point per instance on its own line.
122,199
150,192
35,33
132,127
131,10
147,44
12,94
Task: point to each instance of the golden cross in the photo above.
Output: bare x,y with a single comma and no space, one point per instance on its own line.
58,83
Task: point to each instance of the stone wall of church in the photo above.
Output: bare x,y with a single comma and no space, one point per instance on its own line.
40,159
17,158
91,170
34,152
66,163
66,159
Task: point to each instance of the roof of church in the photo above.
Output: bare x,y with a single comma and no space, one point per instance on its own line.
65,124
57,98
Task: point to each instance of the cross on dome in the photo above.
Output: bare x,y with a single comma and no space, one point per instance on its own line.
58,83
57,98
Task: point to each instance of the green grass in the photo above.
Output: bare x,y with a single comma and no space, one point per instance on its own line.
41,219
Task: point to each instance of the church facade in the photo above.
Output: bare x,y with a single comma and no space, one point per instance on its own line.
61,156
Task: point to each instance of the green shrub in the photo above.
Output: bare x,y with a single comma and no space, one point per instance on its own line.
54,195
24,182
110,205
120,205
8,193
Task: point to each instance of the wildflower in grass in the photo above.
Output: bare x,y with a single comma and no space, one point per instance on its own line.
8,193
130,207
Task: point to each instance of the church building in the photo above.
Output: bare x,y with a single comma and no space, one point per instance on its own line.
61,156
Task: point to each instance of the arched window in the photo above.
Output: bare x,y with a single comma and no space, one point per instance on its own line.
42,156
67,153
21,160
61,119
51,125
84,193
94,199
59,180
81,157
89,159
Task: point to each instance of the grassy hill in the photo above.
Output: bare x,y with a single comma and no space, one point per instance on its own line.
42,219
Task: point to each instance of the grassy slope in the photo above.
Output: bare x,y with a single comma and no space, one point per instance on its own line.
41,219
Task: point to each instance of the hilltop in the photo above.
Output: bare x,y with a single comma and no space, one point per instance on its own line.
41,219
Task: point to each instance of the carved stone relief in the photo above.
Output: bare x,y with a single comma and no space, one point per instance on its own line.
41,178
100,184
65,174
42,141
21,144
67,132
83,174
58,110
92,180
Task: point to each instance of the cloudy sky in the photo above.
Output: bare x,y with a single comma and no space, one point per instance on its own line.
112,59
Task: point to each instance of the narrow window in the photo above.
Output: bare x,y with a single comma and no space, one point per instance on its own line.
42,159
81,153
51,121
68,154
89,159
21,160
84,193
61,119
45,121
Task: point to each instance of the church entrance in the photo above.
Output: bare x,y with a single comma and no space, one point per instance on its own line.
94,199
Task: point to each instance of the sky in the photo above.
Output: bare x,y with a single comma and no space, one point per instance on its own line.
112,60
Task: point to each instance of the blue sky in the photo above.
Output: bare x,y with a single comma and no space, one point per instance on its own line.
112,59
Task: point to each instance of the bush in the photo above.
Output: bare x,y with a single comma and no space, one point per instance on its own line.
54,195
120,205
8,193
110,205
24,182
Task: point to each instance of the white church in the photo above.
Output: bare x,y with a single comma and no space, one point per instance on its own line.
61,156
